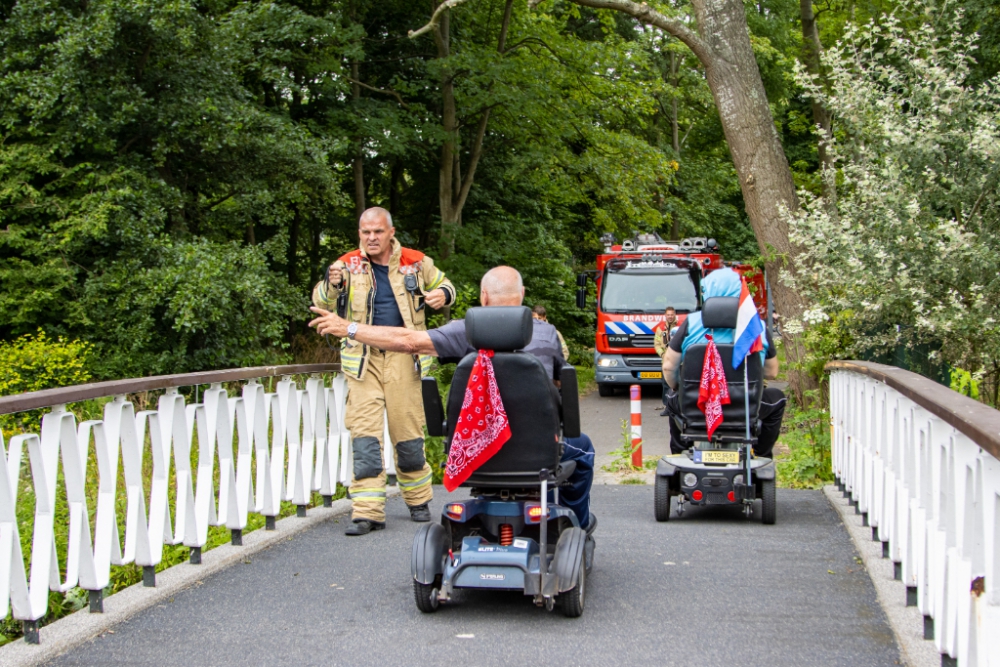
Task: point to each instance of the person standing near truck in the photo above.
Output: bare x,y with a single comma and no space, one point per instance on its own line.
539,313
384,284
661,339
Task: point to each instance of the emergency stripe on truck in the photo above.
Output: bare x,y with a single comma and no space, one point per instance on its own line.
627,328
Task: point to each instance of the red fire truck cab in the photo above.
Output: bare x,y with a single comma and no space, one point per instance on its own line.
636,281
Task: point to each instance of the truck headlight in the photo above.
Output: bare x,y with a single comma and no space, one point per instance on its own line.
605,362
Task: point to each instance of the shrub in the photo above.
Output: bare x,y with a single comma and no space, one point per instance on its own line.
35,362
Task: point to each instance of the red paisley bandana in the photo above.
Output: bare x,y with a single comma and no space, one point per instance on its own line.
714,392
482,426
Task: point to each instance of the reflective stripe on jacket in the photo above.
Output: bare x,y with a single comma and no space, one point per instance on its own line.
360,286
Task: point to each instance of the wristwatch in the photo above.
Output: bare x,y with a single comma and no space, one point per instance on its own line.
352,329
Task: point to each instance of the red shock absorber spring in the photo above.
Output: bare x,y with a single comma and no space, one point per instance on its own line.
506,534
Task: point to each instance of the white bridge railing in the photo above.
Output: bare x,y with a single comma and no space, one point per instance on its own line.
920,462
253,451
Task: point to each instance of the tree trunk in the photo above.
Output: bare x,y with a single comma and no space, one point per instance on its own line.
812,57
292,257
675,136
359,163
395,183
453,187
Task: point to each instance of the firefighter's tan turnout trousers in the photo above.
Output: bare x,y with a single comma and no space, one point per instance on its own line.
392,385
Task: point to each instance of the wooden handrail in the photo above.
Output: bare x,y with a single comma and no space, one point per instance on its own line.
45,398
979,422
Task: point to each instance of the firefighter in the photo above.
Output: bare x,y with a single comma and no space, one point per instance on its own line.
660,341
384,284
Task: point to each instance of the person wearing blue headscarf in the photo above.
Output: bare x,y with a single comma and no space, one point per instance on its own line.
722,282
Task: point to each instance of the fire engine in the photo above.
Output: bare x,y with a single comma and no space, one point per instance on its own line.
636,281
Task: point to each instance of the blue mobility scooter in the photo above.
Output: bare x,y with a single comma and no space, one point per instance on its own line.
720,470
508,535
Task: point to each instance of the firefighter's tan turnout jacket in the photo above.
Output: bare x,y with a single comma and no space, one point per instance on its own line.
358,280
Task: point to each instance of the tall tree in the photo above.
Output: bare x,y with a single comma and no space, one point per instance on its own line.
722,44
454,186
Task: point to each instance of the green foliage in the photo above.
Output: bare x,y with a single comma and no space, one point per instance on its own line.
144,148
909,256
806,434
36,362
965,383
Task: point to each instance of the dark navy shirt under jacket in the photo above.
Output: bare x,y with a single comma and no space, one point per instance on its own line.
386,309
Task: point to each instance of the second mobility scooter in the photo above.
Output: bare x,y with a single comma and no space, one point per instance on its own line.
508,535
720,470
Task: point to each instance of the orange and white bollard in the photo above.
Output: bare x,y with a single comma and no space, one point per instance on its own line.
635,392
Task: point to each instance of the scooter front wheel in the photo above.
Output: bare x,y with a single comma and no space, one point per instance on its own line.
426,595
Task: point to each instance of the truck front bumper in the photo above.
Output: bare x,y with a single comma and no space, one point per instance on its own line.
616,372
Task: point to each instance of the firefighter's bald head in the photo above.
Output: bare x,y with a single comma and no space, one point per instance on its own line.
501,286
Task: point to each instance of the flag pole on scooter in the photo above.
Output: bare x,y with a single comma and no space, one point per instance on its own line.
748,340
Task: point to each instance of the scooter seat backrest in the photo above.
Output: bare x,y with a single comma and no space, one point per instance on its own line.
733,414
529,397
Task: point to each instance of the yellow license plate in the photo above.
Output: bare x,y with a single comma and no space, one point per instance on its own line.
650,375
719,456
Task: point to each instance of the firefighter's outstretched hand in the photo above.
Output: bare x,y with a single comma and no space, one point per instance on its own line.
435,299
328,323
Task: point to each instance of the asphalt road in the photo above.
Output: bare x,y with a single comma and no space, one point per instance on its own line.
710,588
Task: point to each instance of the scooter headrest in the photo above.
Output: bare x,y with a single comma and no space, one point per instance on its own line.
719,312
498,328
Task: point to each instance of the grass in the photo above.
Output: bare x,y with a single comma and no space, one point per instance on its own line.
585,380
622,461
807,463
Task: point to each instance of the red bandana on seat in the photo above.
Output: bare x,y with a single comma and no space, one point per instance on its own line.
714,392
482,426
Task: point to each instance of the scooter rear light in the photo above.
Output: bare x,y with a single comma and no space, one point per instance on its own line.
455,511
534,513
696,495
732,496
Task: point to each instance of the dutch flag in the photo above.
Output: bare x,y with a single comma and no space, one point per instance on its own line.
749,328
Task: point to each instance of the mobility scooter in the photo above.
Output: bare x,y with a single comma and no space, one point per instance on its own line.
720,470
509,534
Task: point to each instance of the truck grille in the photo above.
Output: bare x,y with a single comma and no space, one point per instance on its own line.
644,361
642,340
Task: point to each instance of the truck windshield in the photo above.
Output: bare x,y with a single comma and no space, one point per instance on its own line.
647,292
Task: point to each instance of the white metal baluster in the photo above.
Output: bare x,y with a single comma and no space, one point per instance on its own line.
207,419
13,580
246,409
229,514
185,512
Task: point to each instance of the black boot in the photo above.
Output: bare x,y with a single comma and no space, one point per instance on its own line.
420,513
363,527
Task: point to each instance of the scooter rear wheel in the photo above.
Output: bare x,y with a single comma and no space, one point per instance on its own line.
573,600
661,498
768,502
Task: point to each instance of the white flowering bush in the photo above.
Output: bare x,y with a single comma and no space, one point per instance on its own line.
910,251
